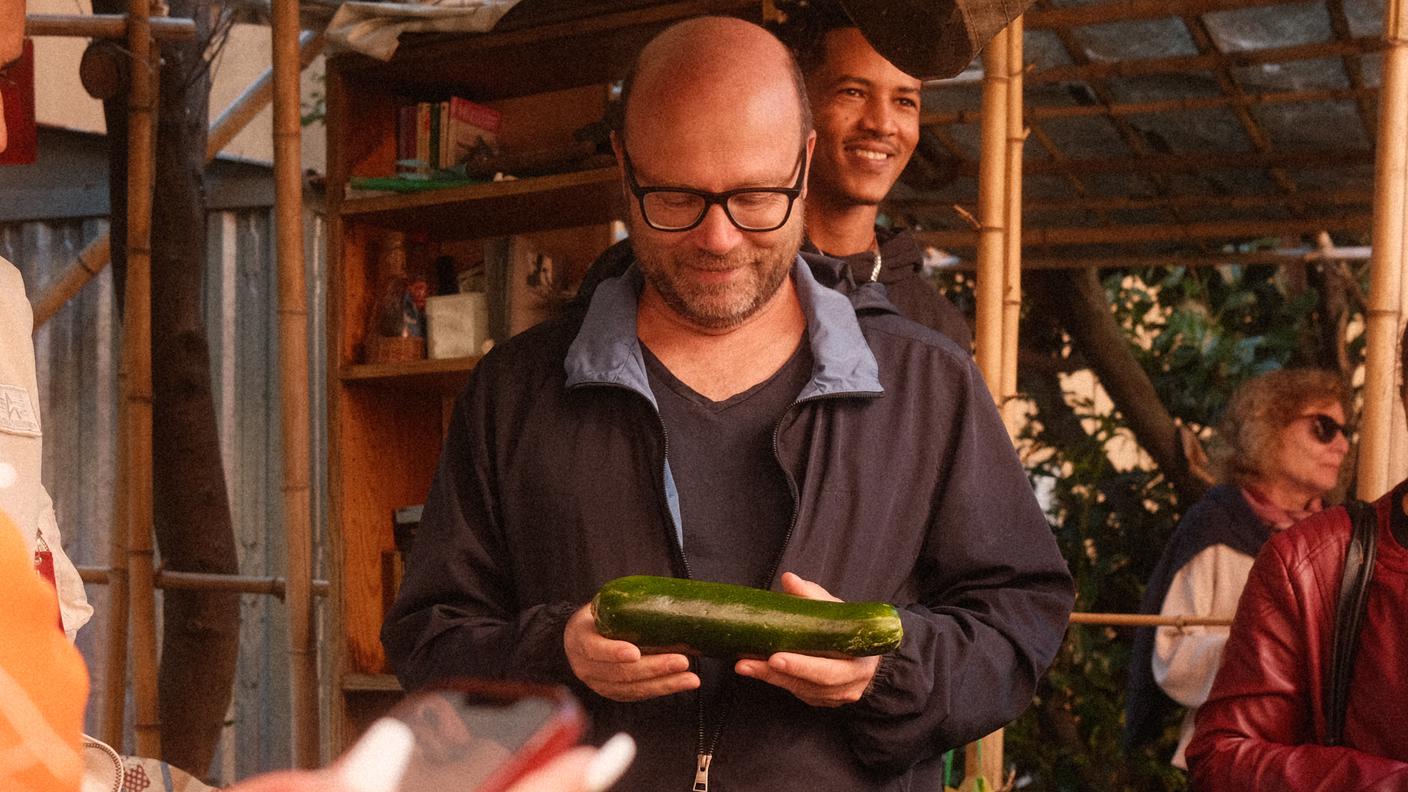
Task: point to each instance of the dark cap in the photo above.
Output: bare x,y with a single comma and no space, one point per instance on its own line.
931,39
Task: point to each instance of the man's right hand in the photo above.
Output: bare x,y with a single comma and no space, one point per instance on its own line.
617,669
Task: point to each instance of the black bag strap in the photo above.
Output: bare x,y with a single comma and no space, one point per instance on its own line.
1349,615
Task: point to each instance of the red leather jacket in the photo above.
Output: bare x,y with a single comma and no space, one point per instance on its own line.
1264,721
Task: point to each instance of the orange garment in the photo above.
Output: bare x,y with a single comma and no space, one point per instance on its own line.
43,682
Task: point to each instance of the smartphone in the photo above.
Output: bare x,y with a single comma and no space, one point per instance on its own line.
480,736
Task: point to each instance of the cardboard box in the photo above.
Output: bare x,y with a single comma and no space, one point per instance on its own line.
457,325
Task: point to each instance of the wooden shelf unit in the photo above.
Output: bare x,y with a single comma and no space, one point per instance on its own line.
548,72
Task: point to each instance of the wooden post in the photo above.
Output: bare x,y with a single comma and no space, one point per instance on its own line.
992,191
1012,260
1384,320
293,384
137,388
984,757
115,652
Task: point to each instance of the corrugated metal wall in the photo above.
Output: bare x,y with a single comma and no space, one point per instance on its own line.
77,355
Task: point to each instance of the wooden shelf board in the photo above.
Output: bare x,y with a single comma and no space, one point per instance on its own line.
448,374
494,209
370,683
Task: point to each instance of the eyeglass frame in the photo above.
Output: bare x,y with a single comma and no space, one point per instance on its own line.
711,198
1324,428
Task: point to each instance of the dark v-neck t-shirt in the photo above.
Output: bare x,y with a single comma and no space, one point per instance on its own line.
735,503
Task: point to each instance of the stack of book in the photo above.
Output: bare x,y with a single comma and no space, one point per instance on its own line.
436,136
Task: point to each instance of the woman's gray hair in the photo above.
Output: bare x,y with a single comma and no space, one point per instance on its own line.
1248,436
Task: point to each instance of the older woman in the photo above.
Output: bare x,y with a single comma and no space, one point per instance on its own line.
1266,723
1278,453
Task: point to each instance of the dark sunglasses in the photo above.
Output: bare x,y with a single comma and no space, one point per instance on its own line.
1326,428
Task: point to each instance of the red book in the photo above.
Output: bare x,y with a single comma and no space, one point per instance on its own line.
17,94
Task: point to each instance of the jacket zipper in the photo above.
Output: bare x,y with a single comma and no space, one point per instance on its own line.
705,758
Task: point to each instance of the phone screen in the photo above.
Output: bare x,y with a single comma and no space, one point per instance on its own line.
466,743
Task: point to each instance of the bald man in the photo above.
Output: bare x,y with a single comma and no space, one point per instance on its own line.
867,126
716,413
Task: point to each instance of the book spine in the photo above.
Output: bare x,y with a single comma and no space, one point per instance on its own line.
423,135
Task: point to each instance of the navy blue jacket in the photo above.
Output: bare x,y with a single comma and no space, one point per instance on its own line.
555,479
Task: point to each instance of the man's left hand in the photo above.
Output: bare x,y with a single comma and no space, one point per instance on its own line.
819,681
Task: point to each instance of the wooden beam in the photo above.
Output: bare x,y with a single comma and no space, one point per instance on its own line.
1215,229
1179,163
1125,10
1047,112
106,26
1183,64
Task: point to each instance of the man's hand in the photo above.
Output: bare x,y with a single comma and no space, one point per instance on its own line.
819,681
617,669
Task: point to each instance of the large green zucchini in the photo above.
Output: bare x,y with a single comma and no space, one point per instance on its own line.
723,620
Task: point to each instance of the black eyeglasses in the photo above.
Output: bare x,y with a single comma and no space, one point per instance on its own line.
748,208
1326,428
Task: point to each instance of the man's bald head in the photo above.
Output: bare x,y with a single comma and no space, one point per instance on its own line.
712,64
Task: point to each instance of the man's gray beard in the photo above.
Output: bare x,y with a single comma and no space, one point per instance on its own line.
779,261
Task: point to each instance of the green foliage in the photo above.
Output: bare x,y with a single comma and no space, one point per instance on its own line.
315,107
1197,334
1207,330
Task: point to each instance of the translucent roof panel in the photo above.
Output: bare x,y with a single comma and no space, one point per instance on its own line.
1044,49
1193,131
1273,26
1085,137
1322,126
1162,87
1365,17
1305,75
1127,40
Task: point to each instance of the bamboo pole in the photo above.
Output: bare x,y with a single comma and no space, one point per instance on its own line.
984,756
293,384
1012,238
1265,258
259,93
1187,104
1213,229
91,261
108,26
1143,620
992,212
1348,196
1398,435
206,581
115,650
98,253
136,342
1383,315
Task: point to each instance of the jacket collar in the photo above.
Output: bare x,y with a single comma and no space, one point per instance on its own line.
606,350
